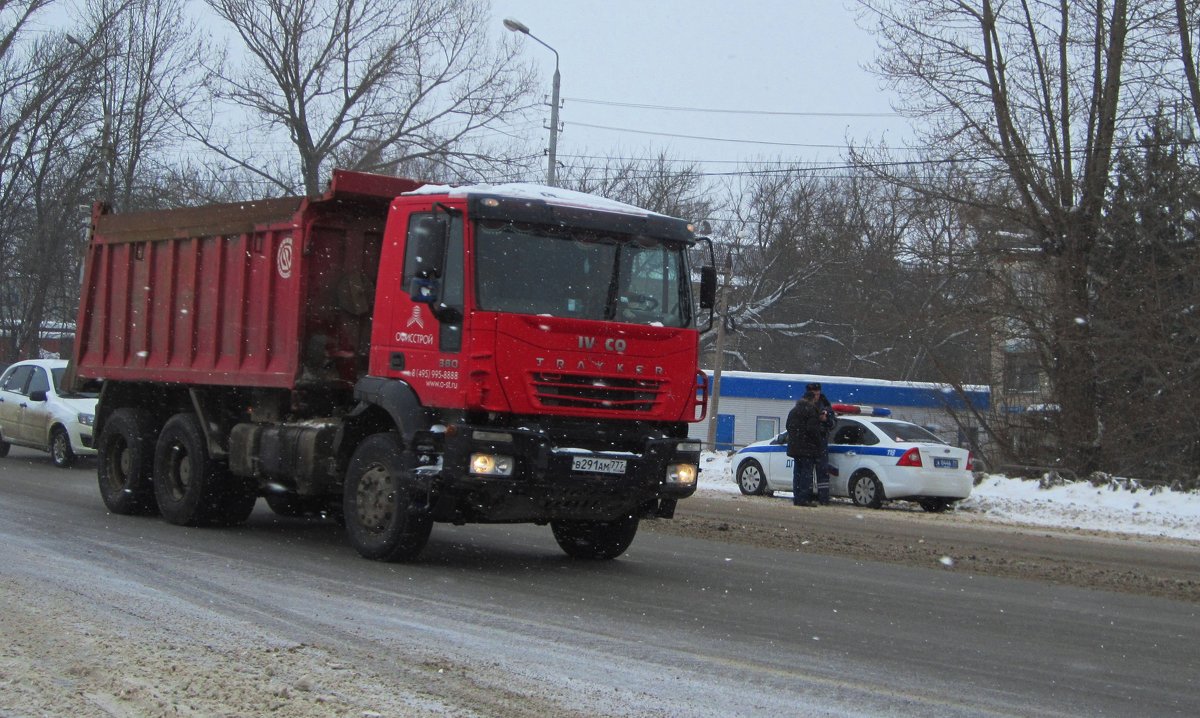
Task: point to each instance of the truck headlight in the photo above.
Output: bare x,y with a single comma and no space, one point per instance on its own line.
491,465
681,474
86,419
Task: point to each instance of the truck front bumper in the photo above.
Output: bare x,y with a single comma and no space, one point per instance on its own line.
503,475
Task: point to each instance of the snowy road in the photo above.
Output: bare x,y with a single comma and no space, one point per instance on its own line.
116,616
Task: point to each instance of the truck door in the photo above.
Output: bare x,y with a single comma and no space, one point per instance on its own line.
421,345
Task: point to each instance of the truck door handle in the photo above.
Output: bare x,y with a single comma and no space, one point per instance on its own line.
396,361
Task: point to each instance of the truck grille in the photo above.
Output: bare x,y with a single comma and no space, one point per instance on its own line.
577,391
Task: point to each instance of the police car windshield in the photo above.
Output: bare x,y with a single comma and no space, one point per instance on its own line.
530,269
901,432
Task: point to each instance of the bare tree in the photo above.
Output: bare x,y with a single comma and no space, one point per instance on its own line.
1031,90
42,111
141,58
365,84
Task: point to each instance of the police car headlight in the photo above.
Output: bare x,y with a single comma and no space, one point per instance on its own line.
681,474
86,419
491,465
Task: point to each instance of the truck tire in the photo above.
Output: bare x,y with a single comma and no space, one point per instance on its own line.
124,460
191,488
595,540
4,447
383,521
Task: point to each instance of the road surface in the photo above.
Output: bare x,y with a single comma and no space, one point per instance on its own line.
715,614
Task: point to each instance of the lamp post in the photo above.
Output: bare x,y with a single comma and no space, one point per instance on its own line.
551,162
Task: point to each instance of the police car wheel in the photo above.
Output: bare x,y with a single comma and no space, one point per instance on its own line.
865,490
751,479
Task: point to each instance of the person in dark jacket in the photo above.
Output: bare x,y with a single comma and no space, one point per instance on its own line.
805,446
828,420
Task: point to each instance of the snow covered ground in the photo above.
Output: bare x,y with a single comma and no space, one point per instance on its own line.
1113,507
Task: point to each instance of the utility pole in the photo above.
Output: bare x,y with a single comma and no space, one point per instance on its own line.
719,360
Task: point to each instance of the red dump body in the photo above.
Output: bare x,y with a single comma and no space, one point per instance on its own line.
271,293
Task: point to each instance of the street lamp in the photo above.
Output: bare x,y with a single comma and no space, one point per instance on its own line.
551,169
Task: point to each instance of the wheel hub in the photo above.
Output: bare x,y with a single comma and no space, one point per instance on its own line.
375,499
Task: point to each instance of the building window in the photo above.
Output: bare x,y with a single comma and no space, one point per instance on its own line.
1022,374
766,427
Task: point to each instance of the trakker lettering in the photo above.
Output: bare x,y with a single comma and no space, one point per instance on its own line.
584,365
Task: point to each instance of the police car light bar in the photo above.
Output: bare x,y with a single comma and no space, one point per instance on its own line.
861,409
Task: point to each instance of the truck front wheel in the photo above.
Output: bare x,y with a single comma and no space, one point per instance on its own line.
125,456
383,521
598,540
191,488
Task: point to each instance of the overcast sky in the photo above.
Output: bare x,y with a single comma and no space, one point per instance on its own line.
764,56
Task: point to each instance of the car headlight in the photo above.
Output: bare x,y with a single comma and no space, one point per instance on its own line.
86,419
491,465
681,474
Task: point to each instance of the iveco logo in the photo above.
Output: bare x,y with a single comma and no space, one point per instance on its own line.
610,345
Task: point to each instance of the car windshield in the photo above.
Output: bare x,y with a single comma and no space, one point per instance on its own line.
603,277
90,391
901,432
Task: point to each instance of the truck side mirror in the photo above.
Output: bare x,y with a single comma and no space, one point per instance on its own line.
708,287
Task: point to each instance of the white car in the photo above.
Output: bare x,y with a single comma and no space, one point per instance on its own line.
872,459
36,413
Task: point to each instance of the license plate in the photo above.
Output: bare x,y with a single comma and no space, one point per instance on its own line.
945,463
598,465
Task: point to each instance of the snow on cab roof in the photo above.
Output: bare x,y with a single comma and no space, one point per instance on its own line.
552,195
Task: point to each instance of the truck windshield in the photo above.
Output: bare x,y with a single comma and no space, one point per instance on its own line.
526,269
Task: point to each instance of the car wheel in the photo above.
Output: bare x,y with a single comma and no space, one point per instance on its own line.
866,491
595,540
751,479
935,505
60,448
192,489
124,460
386,517
4,447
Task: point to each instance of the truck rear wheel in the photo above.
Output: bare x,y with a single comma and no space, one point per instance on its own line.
191,488
383,521
597,540
125,458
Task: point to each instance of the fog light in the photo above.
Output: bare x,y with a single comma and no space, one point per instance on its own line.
681,474
491,465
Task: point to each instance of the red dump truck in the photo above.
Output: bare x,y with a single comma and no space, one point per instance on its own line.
394,354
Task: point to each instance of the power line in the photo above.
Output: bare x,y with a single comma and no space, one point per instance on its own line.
708,139
774,113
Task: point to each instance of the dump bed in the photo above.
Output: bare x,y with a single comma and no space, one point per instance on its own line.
271,293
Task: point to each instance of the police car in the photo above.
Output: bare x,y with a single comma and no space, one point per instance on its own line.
872,458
